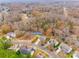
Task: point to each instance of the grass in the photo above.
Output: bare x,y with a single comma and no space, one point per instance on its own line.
69,55
5,43
6,53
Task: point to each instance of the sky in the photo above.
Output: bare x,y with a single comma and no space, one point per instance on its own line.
3,1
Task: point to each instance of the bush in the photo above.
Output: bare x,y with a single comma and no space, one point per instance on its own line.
5,43
6,28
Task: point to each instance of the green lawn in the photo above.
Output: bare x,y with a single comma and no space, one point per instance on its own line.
6,53
69,55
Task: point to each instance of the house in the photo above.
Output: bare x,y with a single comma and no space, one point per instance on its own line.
24,50
65,48
10,35
42,38
37,39
27,50
50,42
53,42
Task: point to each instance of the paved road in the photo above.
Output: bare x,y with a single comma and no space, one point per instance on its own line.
51,54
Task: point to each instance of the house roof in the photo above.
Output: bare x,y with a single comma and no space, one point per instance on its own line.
11,34
65,48
42,38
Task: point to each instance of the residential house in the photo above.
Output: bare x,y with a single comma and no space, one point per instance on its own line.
65,48
26,50
53,42
37,39
10,35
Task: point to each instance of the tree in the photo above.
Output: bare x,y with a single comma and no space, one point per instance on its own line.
19,33
6,28
5,43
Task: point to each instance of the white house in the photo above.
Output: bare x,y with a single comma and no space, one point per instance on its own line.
42,38
53,42
65,48
10,35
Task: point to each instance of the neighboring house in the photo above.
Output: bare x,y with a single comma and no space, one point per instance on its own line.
27,50
37,39
42,38
53,42
24,50
65,48
10,35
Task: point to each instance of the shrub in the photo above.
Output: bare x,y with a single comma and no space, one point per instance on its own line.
5,43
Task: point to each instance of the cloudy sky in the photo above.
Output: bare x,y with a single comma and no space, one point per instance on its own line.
1,1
